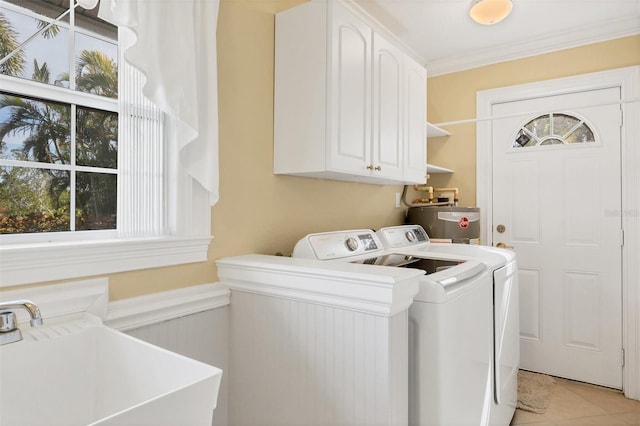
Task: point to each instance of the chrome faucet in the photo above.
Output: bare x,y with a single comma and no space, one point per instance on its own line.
9,331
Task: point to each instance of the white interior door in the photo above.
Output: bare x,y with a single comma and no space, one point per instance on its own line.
559,206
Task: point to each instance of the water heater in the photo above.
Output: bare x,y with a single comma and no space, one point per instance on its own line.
457,224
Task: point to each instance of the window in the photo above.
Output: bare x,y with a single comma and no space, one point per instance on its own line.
58,149
86,184
553,129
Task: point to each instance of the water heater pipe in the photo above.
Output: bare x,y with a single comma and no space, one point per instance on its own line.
456,194
414,204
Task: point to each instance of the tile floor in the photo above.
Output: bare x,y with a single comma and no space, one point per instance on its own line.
575,403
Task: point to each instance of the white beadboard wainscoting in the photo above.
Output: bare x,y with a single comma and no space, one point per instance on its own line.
317,343
303,363
192,322
203,337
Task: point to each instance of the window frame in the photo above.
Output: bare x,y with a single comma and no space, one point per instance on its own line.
29,259
516,147
41,257
20,87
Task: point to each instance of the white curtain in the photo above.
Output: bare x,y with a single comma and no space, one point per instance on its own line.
176,51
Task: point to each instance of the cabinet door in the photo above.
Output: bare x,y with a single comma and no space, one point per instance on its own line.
387,109
350,93
415,104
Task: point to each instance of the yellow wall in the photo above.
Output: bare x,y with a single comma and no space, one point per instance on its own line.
259,212
262,213
452,97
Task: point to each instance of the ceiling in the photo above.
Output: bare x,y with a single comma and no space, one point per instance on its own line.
442,33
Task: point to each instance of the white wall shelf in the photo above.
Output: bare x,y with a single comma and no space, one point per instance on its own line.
435,131
437,169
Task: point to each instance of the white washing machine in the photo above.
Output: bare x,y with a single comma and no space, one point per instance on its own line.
451,320
447,354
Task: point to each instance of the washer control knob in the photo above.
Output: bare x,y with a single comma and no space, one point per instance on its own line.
410,236
352,244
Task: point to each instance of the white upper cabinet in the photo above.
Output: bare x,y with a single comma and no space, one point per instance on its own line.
415,102
349,104
350,109
387,109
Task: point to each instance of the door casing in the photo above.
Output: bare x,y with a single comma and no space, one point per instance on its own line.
628,79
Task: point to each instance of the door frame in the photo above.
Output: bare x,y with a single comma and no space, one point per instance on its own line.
628,79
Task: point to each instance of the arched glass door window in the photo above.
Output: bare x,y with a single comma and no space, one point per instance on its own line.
553,129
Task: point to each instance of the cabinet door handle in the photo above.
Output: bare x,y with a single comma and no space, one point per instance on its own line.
378,168
370,167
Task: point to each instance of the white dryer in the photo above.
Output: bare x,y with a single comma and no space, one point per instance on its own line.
454,332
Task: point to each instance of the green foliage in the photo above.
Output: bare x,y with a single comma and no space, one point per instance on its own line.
40,73
97,73
56,221
46,126
49,32
8,43
34,222
37,199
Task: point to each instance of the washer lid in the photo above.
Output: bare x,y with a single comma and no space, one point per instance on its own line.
441,286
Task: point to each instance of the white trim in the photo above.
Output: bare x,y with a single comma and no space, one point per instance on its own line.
136,312
610,30
92,296
32,263
54,301
56,166
371,289
47,92
628,79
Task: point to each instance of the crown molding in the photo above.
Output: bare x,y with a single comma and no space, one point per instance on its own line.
582,36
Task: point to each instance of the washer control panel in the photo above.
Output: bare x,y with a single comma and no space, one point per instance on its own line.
395,237
336,245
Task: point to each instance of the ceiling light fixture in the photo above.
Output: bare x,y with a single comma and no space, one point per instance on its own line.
489,12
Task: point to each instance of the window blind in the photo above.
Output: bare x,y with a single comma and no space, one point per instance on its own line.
141,155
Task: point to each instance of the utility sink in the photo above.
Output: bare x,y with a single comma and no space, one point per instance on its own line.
80,372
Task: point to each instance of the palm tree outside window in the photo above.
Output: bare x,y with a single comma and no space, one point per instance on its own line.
99,177
58,121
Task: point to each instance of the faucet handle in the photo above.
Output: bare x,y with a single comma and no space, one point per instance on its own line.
7,322
32,308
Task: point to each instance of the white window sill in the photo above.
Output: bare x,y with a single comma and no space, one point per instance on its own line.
33,263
